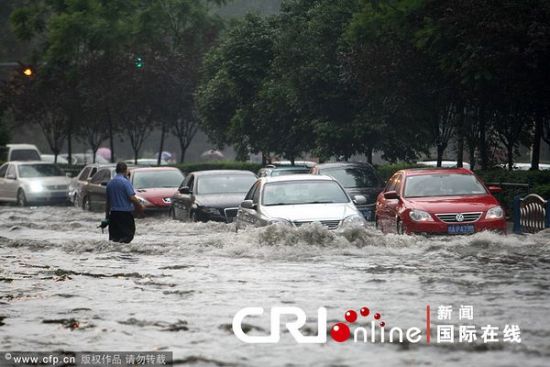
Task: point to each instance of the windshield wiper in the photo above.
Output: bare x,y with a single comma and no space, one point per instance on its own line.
320,202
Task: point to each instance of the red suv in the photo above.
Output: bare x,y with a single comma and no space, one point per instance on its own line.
438,201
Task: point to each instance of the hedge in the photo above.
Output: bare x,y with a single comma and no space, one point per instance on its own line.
205,166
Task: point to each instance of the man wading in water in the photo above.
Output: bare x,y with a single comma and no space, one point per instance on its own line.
121,201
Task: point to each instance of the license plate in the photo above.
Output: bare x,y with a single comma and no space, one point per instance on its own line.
367,214
461,229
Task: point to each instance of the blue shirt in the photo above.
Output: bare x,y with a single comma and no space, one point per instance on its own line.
119,191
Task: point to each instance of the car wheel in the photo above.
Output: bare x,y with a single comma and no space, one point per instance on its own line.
21,198
86,204
400,229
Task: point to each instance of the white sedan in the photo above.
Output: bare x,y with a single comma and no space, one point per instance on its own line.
297,200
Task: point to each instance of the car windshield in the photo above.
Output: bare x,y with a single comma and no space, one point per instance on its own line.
443,185
39,170
352,177
157,179
284,172
223,184
303,192
25,155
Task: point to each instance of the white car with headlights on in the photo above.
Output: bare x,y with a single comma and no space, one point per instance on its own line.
33,182
297,200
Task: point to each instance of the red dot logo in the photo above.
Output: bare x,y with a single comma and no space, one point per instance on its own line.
377,316
351,316
340,332
382,324
364,311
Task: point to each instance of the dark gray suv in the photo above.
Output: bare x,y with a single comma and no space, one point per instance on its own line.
357,179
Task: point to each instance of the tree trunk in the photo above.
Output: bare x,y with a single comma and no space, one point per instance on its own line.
70,143
510,156
535,155
440,151
483,140
460,137
182,154
161,147
369,155
111,137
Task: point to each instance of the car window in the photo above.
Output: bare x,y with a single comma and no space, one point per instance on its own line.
191,182
224,183
303,192
11,171
252,191
3,170
443,185
93,172
101,176
157,179
353,176
24,155
398,183
390,186
84,174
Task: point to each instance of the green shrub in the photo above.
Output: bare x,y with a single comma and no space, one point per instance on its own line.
387,170
206,166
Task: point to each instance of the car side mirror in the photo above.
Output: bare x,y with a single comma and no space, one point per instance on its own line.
359,200
391,195
247,204
184,190
495,189
69,174
11,177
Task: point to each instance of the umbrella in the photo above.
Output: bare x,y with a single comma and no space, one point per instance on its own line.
165,156
211,155
104,153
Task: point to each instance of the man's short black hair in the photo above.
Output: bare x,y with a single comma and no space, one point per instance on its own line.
121,167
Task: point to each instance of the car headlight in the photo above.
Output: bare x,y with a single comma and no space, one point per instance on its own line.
279,221
354,220
143,201
495,212
420,216
36,187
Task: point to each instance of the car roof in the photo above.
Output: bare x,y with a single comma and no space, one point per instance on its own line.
344,164
24,146
221,172
303,177
141,169
430,171
18,163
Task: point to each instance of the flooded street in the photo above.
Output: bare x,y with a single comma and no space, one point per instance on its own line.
177,286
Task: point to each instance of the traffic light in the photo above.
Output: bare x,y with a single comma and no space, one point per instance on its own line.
139,62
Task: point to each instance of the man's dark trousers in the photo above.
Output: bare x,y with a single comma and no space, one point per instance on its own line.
121,227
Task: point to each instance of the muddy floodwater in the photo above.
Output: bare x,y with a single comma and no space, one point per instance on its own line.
177,286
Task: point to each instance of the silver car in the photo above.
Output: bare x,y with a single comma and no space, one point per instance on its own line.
33,182
297,200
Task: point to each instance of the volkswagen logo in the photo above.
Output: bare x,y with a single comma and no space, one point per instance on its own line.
459,217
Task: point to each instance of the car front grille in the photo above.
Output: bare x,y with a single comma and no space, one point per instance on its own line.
330,224
57,187
230,214
459,217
